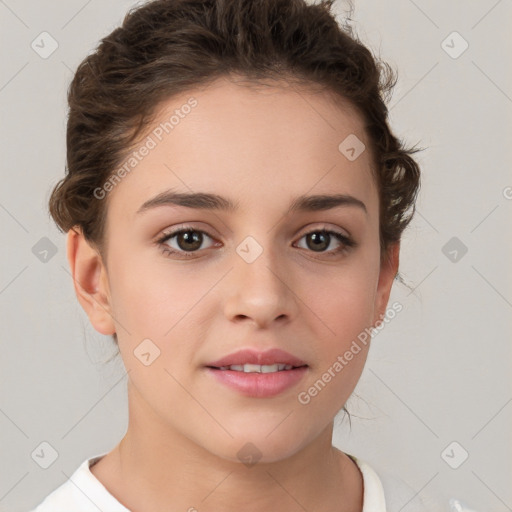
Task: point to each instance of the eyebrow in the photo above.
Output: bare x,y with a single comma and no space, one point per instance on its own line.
206,201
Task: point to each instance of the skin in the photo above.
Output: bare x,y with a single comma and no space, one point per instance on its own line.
262,148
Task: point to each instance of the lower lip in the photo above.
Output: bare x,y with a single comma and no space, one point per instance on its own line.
259,385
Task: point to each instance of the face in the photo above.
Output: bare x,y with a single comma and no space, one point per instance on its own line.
258,275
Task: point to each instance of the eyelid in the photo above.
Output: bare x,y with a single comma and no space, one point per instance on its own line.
182,227
172,232
324,226
186,226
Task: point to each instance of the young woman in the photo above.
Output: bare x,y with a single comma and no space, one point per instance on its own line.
234,202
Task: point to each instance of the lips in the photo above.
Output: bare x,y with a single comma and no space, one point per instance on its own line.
258,374
268,357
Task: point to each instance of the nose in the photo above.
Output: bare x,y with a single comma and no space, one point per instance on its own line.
260,290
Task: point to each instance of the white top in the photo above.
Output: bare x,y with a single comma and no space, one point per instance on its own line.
85,493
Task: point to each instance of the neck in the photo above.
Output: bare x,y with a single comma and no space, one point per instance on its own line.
164,470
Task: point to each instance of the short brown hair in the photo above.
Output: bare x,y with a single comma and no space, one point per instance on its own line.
166,47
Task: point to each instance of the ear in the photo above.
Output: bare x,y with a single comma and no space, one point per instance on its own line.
388,271
90,281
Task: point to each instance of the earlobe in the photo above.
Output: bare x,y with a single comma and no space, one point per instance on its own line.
388,271
90,281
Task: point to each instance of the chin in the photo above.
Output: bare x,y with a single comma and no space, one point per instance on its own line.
260,443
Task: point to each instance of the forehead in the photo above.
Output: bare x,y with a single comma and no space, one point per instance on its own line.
272,141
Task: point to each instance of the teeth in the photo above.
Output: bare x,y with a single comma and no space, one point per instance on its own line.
257,368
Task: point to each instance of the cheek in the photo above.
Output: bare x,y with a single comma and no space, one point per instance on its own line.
344,348
149,299
344,308
345,303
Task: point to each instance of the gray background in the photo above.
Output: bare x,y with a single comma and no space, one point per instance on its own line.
438,373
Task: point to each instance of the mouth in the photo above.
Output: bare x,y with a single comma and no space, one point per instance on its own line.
250,360
258,374
257,368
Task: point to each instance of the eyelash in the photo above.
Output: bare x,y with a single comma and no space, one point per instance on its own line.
347,243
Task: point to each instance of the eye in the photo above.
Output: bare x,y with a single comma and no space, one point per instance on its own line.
188,240
320,239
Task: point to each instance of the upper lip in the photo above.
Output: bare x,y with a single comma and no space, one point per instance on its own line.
251,356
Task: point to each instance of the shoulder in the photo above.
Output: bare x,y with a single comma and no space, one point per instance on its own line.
82,491
385,491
